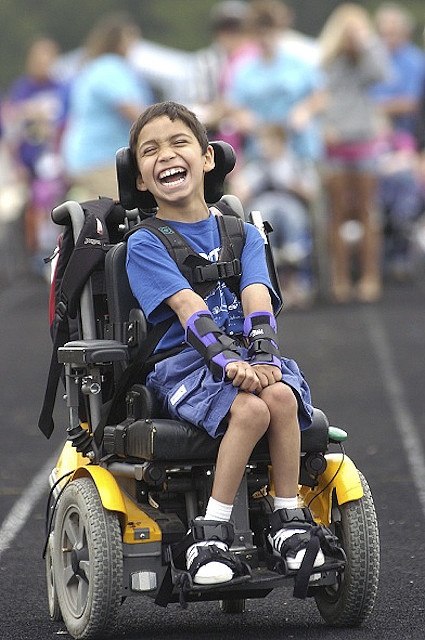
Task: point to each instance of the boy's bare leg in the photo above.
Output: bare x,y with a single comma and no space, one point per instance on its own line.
249,420
284,438
284,445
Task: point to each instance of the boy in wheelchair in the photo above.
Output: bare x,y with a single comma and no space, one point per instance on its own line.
229,379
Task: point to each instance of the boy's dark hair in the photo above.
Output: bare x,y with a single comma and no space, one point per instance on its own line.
174,111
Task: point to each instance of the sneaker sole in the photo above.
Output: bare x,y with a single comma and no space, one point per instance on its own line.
294,565
212,579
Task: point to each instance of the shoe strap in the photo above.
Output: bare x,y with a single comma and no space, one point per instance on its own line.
300,518
291,544
212,553
213,530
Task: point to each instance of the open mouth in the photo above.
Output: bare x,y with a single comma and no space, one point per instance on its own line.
172,177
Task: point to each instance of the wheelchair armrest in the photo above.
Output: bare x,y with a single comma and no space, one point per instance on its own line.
92,352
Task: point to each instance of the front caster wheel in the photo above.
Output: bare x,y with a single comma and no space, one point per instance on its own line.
52,596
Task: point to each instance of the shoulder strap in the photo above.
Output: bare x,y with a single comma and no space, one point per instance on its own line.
176,245
232,233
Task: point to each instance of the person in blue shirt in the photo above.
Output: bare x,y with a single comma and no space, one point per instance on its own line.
277,86
399,95
215,383
106,96
399,99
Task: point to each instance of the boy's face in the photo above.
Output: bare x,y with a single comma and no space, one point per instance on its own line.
171,162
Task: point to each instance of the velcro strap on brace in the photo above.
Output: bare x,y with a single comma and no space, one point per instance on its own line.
261,330
212,343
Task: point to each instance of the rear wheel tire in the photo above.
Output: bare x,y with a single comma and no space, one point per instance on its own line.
87,562
350,601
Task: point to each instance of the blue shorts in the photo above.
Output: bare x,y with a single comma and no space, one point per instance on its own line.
187,390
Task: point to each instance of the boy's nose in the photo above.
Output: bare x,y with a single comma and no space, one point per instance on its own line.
166,153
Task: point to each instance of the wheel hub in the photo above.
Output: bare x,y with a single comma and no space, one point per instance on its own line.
78,555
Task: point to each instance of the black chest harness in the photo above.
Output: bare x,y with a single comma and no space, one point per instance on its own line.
202,274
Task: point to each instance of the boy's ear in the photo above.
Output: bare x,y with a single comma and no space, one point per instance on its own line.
209,159
140,183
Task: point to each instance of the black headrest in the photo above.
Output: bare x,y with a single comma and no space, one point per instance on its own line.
131,198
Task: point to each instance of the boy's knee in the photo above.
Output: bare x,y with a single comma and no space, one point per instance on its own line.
280,396
251,410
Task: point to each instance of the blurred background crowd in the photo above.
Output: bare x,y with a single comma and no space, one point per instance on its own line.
329,133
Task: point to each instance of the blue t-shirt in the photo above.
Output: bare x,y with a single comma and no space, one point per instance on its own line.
272,88
154,275
406,80
96,129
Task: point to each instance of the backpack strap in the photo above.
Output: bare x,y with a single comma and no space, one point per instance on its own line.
75,266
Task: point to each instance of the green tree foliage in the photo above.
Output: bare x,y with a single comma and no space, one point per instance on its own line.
176,23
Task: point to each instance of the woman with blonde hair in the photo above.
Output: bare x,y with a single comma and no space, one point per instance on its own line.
353,59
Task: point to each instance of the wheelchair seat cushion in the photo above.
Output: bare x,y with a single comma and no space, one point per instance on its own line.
160,439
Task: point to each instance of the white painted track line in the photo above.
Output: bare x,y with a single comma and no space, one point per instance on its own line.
398,403
22,509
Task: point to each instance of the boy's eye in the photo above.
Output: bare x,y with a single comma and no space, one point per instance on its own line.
148,151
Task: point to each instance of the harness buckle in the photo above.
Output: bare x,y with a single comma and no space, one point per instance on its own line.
217,271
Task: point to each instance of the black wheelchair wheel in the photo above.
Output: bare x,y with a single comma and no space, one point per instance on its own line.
52,596
87,562
350,601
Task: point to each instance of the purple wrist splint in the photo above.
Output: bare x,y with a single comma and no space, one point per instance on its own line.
261,330
212,343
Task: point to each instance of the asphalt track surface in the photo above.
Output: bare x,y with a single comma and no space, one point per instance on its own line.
365,365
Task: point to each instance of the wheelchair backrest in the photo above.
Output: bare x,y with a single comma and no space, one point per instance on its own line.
123,307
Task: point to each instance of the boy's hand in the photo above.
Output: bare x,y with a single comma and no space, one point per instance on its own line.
267,374
252,378
244,376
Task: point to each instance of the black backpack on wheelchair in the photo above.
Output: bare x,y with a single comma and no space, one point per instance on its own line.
129,481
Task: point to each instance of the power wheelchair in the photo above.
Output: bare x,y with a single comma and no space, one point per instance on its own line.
121,503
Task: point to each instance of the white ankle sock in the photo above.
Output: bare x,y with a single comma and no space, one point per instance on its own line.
218,510
285,503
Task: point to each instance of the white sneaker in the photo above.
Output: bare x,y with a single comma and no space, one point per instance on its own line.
213,572
293,561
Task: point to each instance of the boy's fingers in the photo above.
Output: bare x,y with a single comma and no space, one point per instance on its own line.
268,374
243,376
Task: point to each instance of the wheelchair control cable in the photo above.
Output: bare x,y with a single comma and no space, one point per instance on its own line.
341,446
51,507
